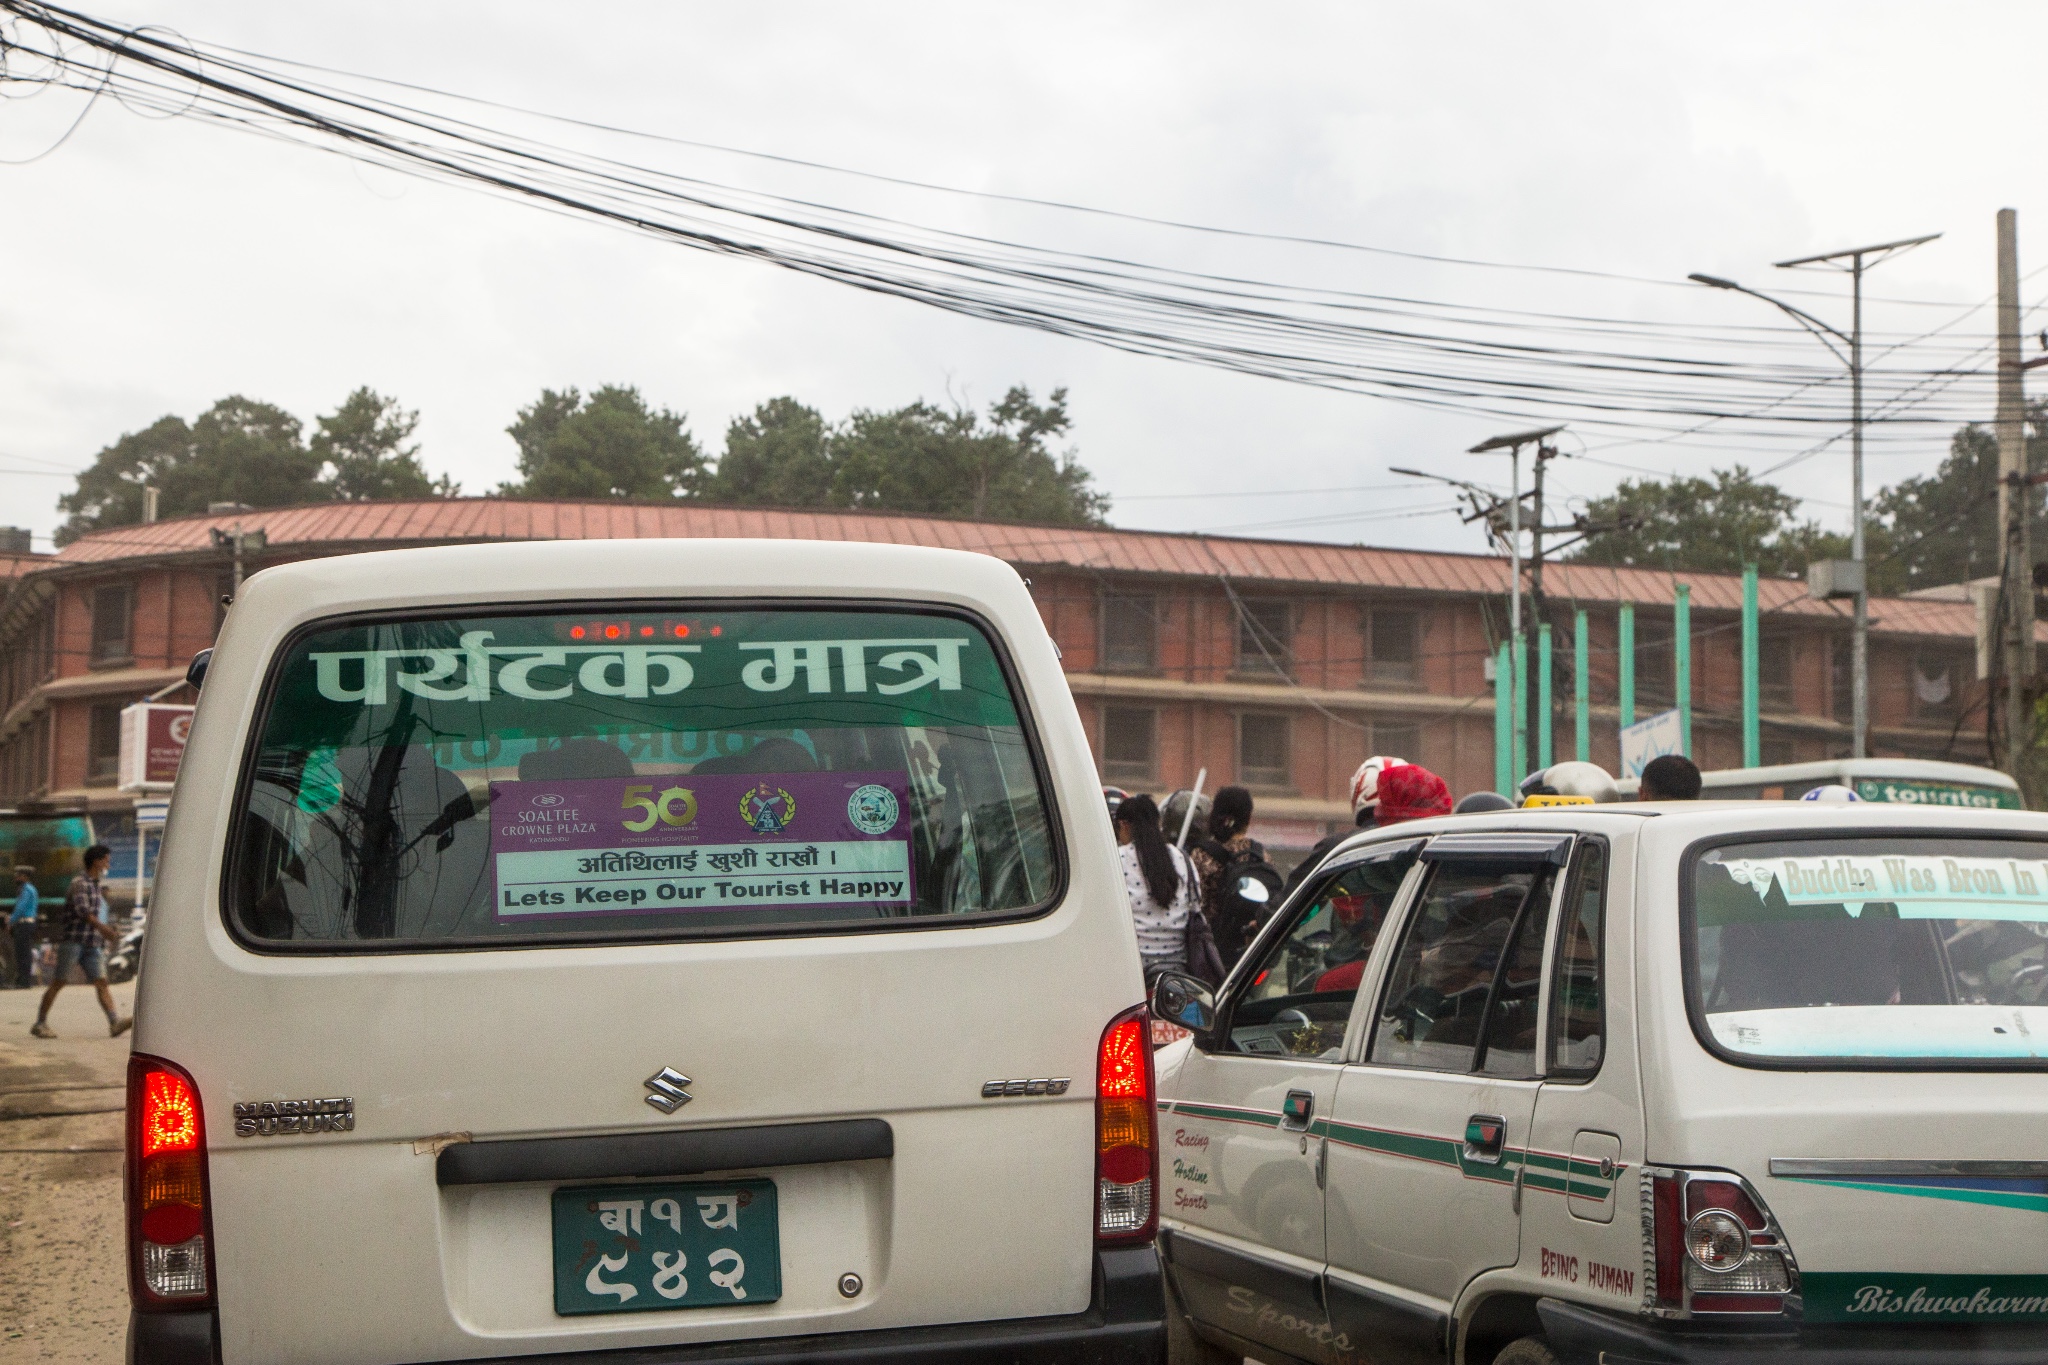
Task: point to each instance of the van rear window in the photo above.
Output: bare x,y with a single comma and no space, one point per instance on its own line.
1878,950
660,773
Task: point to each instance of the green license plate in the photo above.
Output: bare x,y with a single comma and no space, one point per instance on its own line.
630,1248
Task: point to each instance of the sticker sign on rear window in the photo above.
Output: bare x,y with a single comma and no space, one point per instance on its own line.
710,842
1921,887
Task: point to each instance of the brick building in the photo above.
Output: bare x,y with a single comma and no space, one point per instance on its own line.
1276,664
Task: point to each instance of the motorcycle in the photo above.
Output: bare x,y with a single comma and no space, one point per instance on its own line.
126,957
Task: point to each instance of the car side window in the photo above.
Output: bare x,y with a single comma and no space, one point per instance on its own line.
1299,997
1578,1018
1472,952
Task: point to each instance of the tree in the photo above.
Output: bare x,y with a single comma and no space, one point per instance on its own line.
1718,523
612,446
1943,527
363,452
779,457
239,450
926,459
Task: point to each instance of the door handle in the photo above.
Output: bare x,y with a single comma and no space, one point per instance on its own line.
1298,1108
1486,1139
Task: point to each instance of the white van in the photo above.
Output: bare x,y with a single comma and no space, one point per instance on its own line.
1626,1083
713,949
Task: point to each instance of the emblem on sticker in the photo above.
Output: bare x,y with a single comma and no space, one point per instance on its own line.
872,809
767,809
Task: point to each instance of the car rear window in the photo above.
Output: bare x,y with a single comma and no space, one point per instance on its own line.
664,772
1876,949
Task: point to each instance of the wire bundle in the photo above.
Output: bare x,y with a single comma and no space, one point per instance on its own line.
1634,379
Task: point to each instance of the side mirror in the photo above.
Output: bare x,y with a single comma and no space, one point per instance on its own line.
195,672
1181,999
1253,890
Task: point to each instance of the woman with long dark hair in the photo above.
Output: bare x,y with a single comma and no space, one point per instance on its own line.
1160,884
1221,861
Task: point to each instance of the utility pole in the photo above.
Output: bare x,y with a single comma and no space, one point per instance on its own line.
1855,261
2015,500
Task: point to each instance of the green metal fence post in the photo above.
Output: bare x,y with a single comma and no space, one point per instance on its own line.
1625,643
1520,705
1544,709
1582,696
1681,638
1503,721
1752,725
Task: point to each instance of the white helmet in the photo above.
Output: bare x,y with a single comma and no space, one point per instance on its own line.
1573,778
1365,783
1831,794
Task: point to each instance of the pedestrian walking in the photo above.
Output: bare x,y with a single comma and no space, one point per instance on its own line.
1162,890
81,941
21,928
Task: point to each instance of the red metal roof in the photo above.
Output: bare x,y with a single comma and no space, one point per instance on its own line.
360,524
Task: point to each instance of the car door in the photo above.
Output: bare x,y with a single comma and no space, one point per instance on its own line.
1241,1153
1430,1127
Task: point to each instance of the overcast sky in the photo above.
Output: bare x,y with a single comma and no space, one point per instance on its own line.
154,266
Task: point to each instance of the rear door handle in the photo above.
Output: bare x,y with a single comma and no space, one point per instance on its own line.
1298,1109
1486,1139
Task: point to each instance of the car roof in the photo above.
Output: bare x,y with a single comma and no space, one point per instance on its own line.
583,570
1682,822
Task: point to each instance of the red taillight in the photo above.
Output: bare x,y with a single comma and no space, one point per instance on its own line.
170,1242
1126,1132
1715,1247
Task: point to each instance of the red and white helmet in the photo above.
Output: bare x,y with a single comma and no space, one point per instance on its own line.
1365,783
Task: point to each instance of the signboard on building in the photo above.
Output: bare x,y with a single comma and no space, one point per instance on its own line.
1652,738
152,745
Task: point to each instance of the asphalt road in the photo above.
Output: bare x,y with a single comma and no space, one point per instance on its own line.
63,1289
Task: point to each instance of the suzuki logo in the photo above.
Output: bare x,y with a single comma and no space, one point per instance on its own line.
667,1085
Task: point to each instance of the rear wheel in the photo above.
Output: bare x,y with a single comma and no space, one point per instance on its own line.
1526,1351
1183,1347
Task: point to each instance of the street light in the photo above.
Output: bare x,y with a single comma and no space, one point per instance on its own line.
1855,260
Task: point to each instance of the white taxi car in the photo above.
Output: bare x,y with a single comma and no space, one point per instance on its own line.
1626,1083
692,949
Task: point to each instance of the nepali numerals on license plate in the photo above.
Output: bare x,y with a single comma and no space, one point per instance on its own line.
631,1248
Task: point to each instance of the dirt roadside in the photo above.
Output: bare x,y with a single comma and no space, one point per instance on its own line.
63,1289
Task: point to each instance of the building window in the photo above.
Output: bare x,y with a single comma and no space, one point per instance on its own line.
1265,635
103,746
1130,745
1130,633
1936,689
1396,739
1393,646
1842,681
1774,752
113,617
1774,671
1264,750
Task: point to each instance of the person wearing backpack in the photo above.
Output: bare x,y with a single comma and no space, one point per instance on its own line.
1165,905
1227,859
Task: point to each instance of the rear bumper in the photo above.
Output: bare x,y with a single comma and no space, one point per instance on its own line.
1581,1336
1125,1324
